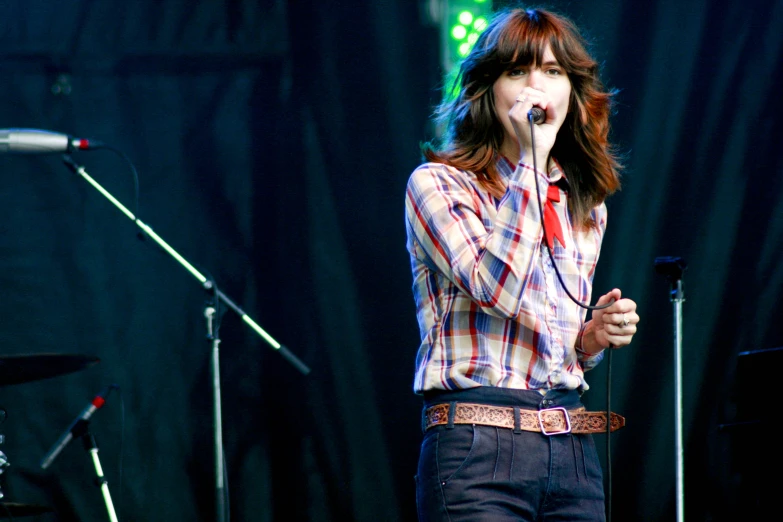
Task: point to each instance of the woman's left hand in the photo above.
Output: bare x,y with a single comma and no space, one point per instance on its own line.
614,325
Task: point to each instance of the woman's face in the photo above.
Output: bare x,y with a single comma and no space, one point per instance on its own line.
545,82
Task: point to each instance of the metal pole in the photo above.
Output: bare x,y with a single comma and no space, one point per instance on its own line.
672,268
220,488
677,299
92,447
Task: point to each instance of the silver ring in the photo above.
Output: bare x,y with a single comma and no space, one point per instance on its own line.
521,100
625,321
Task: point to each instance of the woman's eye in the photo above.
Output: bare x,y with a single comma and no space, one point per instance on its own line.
516,72
554,72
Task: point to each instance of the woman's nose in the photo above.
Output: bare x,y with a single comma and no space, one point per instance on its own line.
536,75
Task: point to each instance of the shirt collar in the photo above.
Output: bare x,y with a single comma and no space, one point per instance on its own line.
556,174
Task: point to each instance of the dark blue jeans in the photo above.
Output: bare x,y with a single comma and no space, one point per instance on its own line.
481,473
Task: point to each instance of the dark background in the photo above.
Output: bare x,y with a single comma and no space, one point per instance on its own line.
273,141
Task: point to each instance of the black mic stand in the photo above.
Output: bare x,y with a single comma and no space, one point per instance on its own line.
672,268
81,428
209,286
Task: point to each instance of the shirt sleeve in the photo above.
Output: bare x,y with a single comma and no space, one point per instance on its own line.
490,262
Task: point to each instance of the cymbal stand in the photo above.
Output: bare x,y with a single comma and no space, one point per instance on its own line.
3,459
3,464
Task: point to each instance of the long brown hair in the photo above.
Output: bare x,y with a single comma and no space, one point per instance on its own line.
473,133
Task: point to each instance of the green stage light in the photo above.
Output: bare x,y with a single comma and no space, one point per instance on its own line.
462,23
465,17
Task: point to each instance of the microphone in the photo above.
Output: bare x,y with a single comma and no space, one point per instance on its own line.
34,141
78,427
537,115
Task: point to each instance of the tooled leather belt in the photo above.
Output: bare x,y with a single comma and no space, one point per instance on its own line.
550,421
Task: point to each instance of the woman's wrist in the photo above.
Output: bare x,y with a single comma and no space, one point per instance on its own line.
590,344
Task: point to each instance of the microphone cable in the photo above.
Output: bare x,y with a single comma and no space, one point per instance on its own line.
530,118
127,160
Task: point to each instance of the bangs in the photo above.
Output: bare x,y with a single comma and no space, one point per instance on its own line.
513,50
526,36
519,38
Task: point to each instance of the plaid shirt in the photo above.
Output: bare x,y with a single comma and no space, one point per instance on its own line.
490,307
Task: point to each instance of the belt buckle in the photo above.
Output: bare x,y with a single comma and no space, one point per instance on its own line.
565,415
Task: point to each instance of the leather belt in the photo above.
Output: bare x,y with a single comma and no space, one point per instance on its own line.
551,421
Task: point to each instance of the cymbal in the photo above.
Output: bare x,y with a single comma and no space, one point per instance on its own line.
13,509
15,369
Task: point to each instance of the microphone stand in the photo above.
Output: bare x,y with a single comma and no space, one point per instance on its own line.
285,352
212,335
92,447
209,286
672,268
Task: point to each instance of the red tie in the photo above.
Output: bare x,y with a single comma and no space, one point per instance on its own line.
551,222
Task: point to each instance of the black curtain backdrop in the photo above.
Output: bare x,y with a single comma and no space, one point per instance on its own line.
273,140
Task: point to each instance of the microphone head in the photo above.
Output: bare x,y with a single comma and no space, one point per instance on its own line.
35,141
537,115
32,141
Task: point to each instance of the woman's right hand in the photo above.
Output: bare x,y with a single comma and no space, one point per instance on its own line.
545,133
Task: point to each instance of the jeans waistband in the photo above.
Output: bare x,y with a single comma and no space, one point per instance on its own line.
494,396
